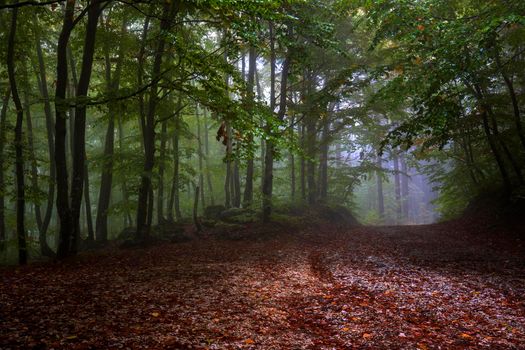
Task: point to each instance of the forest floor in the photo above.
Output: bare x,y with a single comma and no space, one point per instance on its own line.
322,287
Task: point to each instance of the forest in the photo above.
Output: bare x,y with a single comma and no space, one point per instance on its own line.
262,174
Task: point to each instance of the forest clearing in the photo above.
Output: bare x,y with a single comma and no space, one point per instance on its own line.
270,174
323,287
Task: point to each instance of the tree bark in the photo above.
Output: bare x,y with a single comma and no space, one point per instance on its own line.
44,247
380,195
196,221
3,116
514,99
162,159
79,135
207,158
19,146
63,208
42,78
149,129
200,154
323,161
397,186
106,178
250,97
87,204
404,186
270,147
174,204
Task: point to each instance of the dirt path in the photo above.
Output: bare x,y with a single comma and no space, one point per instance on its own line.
423,287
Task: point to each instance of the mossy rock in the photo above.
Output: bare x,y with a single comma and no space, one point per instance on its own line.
214,211
239,215
127,234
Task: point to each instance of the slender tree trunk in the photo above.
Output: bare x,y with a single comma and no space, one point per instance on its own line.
19,152
228,180
207,158
380,196
397,186
3,116
248,189
236,183
196,221
404,186
149,130
478,92
162,159
323,162
106,178
125,193
311,139
87,204
174,203
42,78
63,208
79,146
292,162
303,161
44,247
270,147
514,100
200,154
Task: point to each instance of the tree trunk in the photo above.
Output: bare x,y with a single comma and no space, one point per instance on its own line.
404,186
492,141
380,196
303,161
514,100
397,186
270,147
79,142
196,221
106,178
323,162
44,247
125,193
249,103
63,208
87,204
207,158
149,129
174,203
200,154
311,139
42,77
292,162
162,159
236,183
19,143
3,116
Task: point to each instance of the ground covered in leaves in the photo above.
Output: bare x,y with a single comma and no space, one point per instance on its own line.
324,287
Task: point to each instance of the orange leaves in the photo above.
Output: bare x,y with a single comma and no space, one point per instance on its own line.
466,336
249,341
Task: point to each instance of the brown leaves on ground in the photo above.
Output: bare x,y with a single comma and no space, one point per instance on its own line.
425,287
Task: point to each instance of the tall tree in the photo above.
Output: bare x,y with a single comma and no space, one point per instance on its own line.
18,140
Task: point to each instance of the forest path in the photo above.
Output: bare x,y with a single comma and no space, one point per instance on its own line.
319,288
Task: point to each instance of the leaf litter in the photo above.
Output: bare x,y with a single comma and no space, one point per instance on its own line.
326,287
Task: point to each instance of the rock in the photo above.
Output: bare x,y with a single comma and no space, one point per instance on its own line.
214,211
238,215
